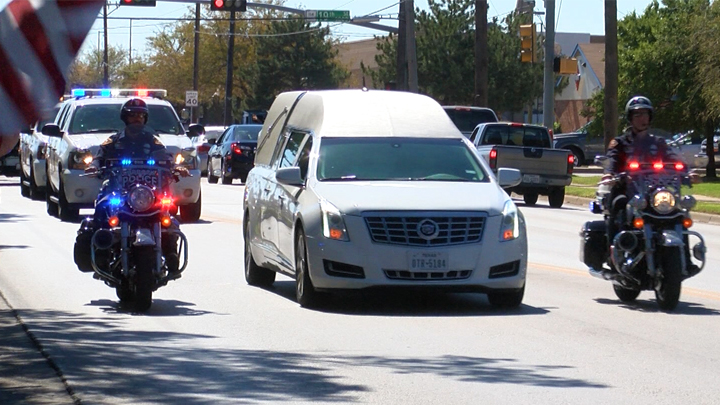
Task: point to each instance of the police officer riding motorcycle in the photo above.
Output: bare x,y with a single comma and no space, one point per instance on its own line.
645,237
132,242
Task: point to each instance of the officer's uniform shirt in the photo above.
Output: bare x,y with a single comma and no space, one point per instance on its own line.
628,147
120,145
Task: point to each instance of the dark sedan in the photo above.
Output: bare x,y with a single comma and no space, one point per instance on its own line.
232,155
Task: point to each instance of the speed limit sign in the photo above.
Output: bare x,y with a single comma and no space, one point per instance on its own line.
191,98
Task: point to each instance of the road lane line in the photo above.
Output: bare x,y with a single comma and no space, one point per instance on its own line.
695,292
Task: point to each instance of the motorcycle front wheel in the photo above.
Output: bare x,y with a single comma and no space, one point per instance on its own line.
668,287
144,258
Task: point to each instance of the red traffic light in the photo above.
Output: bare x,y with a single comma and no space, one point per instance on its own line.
145,3
228,5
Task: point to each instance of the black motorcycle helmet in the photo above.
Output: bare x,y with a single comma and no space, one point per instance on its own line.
134,105
638,103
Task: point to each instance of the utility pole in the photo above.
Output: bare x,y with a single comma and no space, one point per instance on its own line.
481,58
193,113
411,46
130,48
228,118
610,103
401,65
549,76
106,74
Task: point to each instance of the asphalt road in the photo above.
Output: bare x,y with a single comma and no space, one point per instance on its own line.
211,339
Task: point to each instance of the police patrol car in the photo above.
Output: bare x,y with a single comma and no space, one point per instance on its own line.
33,146
87,120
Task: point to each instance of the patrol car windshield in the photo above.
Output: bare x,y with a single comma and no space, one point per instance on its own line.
99,118
403,159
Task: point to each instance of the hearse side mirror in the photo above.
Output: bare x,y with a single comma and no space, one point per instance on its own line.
509,177
290,176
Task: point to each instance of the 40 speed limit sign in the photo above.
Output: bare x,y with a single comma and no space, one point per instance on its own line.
191,98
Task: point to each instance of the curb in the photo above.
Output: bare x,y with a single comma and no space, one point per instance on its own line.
700,217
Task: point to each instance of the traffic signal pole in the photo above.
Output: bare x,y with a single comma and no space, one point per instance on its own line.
549,76
196,67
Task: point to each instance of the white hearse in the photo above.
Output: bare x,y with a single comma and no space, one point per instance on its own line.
87,120
356,189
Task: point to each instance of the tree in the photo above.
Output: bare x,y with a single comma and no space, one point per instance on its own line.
294,54
446,62
87,70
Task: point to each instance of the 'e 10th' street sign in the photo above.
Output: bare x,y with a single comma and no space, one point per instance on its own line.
328,15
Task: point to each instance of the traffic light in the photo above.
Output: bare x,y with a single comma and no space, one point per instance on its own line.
565,66
146,3
228,5
527,43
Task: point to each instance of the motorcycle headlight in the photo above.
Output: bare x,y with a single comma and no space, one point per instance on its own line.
333,222
141,198
663,201
510,223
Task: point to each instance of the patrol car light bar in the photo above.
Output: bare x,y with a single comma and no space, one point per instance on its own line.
159,93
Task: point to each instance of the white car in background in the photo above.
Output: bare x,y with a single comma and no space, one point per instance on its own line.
202,144
356,189
86,121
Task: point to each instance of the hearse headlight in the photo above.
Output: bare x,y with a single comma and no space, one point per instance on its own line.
141,198
663,202
333,222
510,222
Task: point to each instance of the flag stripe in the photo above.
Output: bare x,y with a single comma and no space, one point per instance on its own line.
12,119
12,84
34,32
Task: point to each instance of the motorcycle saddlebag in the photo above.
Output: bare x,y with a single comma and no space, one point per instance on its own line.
593,243
83,244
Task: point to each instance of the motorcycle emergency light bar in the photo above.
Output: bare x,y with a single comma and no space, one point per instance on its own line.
126,162
156,93
634,165
151,162
679,166
658,166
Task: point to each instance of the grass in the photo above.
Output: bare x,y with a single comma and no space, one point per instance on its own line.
585,186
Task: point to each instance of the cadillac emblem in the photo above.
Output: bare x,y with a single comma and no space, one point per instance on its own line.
428,229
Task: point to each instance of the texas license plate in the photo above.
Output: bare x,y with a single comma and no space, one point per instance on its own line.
531,178
428,261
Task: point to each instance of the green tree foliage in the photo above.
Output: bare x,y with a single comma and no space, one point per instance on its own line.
87,71
445,37
294,54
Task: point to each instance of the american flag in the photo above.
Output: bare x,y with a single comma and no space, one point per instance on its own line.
39,40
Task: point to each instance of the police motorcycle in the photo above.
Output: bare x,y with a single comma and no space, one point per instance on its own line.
649,251
125,250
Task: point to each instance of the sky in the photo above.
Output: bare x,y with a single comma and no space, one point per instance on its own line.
579,16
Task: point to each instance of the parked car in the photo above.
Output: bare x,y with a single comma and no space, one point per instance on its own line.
33,147
202,144
583,146
467,118
526,147
88,119
687,146
231,156
702,158
339,199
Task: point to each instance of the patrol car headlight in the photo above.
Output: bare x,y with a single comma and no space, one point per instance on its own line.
187,160
333,222
663,202
141,198
80,160
510,223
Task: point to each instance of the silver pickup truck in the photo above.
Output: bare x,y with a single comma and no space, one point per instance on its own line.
528,148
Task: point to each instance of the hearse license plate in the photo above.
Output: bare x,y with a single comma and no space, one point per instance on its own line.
428,261
148,177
